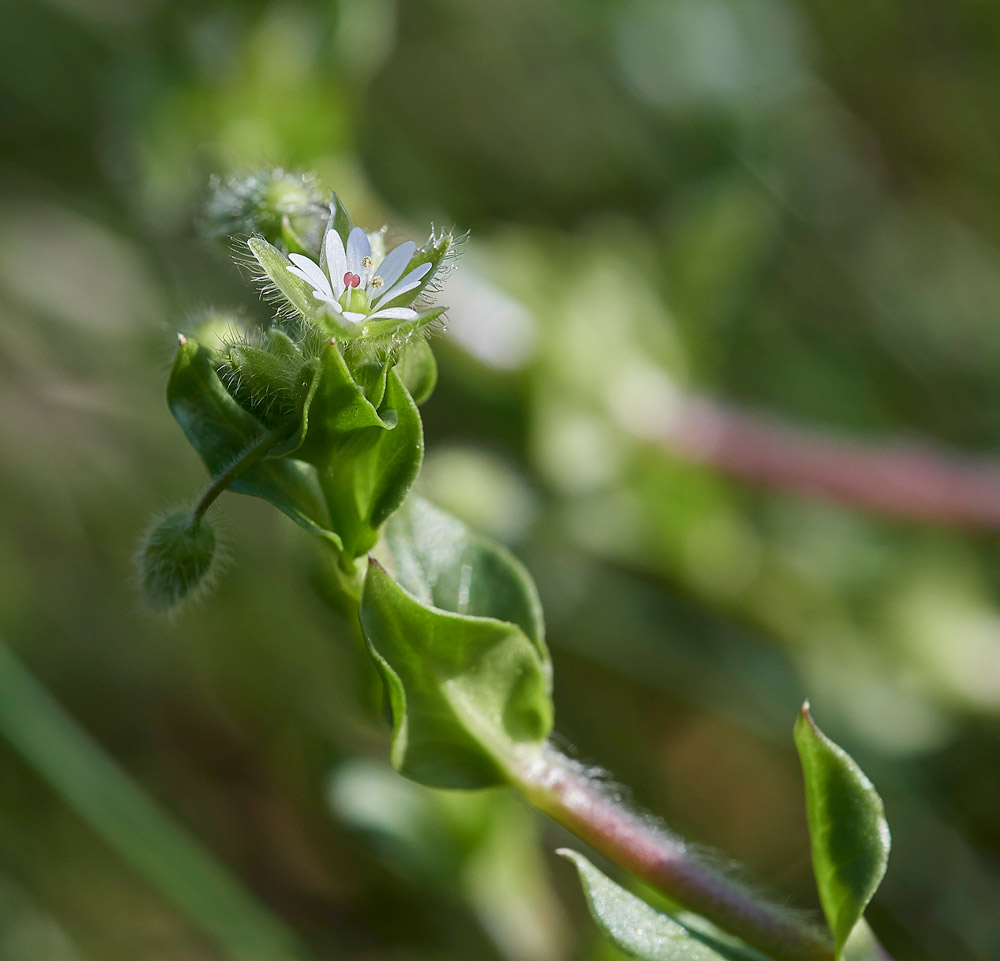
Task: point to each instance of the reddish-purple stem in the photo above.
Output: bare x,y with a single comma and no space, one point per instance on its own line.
909,481
554,786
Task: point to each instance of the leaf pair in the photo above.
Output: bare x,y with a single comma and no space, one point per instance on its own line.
850,850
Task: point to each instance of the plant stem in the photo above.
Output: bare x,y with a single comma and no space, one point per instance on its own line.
556,787
910,481
249,457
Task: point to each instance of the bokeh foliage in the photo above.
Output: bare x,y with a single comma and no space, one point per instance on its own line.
789,205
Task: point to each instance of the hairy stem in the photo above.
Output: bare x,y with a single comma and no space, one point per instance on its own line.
247,459
555,786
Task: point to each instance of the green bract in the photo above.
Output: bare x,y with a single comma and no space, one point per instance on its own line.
847,828
458,639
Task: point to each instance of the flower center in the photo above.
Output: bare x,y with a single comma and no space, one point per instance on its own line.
351,280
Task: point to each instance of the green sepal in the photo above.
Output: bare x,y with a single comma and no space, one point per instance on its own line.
396,333
270,383
295,292
340,221
848,831
470,686
433,252
221,431
417,369
640,930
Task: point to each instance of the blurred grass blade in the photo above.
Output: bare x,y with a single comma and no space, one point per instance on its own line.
145,836
847,828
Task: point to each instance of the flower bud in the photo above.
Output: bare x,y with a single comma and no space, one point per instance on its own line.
175,558
286,208
267,377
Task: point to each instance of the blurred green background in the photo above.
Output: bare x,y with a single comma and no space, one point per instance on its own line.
791,205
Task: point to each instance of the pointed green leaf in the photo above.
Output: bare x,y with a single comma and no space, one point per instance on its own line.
847,828
468,691
221,431
640,930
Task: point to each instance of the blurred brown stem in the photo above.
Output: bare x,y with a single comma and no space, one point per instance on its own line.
909,481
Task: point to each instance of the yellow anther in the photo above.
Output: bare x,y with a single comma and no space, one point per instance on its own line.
376,281
367,263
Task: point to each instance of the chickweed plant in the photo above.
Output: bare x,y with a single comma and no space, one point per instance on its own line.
318,414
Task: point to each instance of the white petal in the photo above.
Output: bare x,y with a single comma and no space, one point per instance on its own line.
411,280
310,272
395,263
393,313
357,249
329,301
354,317
336,261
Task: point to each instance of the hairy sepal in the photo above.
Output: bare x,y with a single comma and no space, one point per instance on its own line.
291,293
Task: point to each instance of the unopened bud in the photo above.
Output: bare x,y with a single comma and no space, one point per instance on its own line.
276,204
175,559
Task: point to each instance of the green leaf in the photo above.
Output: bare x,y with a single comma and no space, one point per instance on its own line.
366,460
221,431
640,930
444,564
294,291
847,829
418,371
337,418
469,691
394,462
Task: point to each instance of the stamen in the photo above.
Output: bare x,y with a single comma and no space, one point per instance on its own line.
377,282
367,263
351,280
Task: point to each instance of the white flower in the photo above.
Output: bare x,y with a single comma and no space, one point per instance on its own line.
351,287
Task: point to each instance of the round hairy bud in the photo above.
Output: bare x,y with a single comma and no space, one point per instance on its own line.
175,559
287,208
